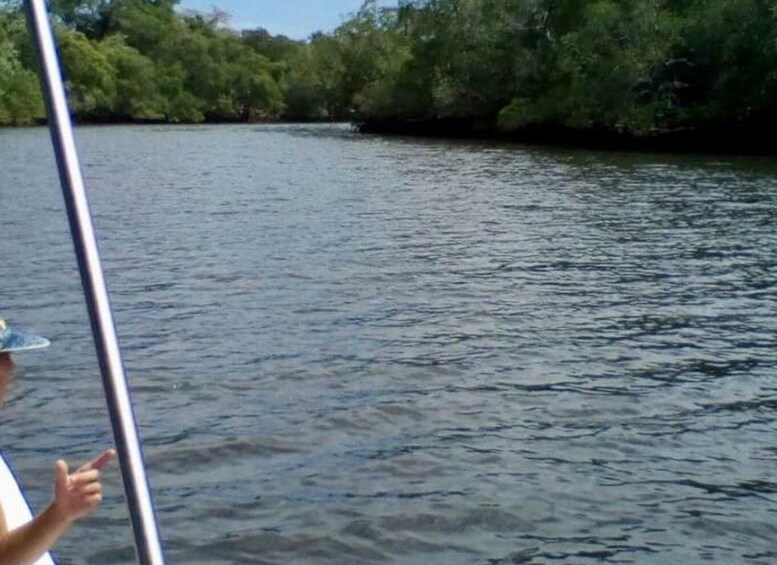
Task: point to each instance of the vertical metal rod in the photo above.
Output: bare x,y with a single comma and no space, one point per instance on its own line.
108,353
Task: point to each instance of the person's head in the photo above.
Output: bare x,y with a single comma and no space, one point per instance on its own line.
12,340
6,366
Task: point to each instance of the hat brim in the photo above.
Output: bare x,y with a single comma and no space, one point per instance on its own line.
19,341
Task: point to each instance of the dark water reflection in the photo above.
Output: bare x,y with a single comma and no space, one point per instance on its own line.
352,349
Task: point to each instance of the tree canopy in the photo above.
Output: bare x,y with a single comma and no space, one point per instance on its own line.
633,66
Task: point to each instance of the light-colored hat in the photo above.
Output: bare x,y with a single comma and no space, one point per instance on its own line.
12,340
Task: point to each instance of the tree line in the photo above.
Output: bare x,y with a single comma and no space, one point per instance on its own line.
634,66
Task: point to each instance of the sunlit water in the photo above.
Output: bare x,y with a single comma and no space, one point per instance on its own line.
350,349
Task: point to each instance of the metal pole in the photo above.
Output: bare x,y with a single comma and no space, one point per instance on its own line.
106,343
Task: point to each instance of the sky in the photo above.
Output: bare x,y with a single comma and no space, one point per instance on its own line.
296,19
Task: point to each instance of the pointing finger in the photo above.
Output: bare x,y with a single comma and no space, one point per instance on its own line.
101,461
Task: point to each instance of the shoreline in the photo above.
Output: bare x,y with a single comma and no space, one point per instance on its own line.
714,140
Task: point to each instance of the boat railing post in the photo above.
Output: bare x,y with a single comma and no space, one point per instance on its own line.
125,433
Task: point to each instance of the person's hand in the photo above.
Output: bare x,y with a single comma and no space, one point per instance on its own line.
77,494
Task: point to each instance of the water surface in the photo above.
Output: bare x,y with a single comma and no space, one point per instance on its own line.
353,349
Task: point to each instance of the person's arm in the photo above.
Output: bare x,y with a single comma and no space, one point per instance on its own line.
75,496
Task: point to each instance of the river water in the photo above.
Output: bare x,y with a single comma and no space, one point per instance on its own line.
354,349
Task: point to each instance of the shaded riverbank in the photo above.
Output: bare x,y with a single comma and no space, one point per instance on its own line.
719,139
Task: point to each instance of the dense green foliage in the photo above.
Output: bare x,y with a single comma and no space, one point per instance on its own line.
133,60
621,65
